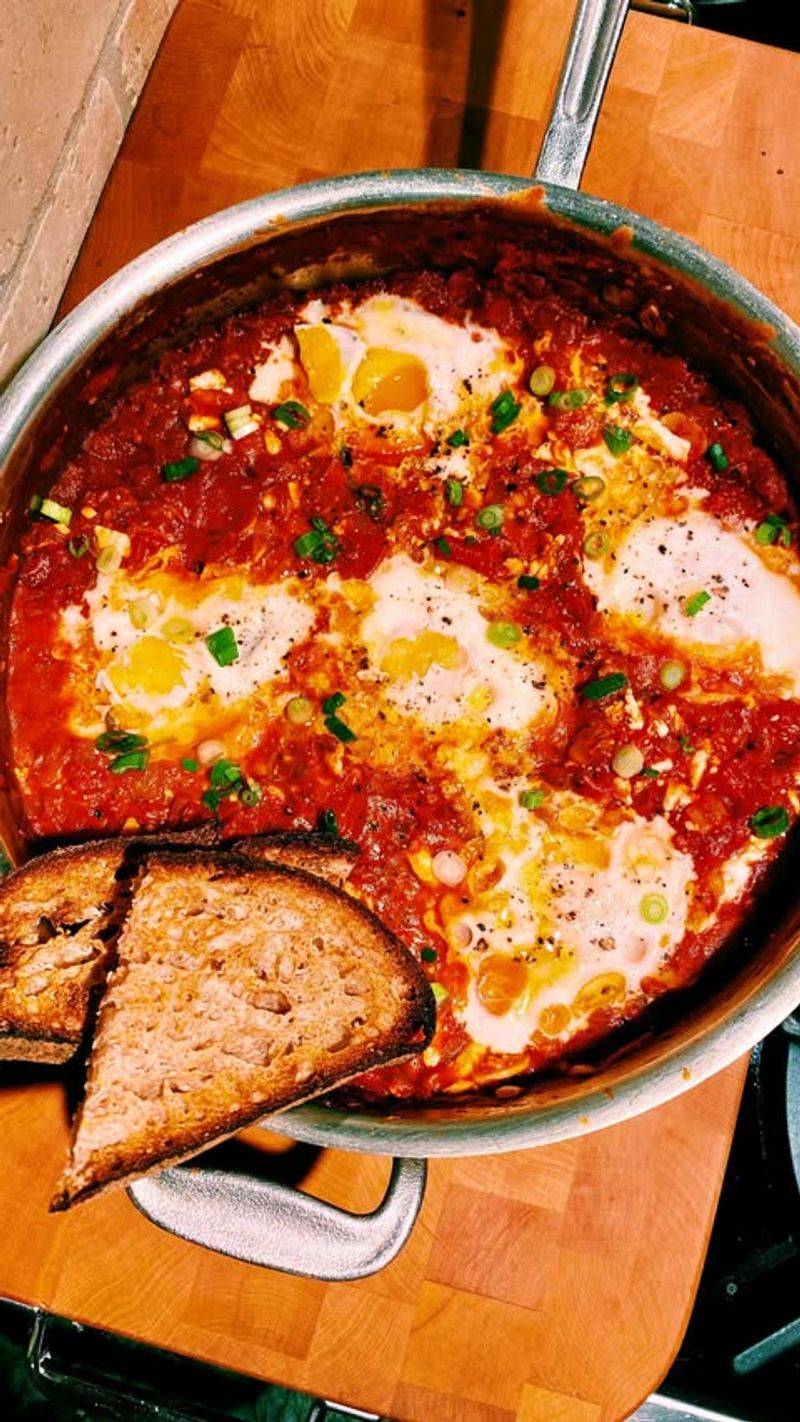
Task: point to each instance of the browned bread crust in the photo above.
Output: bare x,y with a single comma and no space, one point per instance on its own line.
59,914
239,989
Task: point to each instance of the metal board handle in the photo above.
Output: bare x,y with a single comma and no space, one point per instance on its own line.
263,1222
593,41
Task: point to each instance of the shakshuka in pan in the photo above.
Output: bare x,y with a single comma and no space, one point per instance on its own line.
504,594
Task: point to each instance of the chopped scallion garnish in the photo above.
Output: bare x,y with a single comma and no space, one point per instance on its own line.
320,544
617,439
603,686
223,646
442,545
458,439
595,545
531,799
240,422
179,469
428,955
774,529
454,492
527,582
504,634
49,509
696,602
568,399
118,742
131,760
189,763
552,481
654,908
339,729
621,386
542,380
769,822
490,518
589,487
251,794
291,414
78,546
332,703
716,456
225,774
504,411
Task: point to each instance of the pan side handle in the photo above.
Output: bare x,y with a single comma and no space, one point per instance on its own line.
593,41
263,1222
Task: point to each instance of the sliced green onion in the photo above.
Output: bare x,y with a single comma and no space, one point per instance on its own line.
339,729
504,634
627,761
528,582
504,411
223,646
621,387
443,546
552,481
48,508
769,822
649,773
654,908
320,543
118,742
189,763
671,675
429,955
240,422
490,518
603,686
531,799
440,993
142,613
213,799
458,439
370,498
109,559
568,399
251,794
131,760
716,456
77,546
332,703
774,529
179,469
617,439
693,604
225,774
589,487
327,822
291,414
454,492
685,744
595,545
299,710
542,380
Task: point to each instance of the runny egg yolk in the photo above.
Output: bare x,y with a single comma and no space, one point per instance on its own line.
501,981
414,656
322,362
151,666
390,380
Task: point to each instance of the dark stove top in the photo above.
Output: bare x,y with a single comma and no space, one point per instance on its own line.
741,1354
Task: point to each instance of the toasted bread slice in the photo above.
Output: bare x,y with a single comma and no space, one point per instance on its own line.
239,989
59,915
56,915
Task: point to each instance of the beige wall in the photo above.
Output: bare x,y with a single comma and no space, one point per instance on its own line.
70,74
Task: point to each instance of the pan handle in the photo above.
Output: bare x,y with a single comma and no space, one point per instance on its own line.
263,1222
595,34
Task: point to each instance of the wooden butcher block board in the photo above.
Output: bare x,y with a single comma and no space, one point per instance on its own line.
545,1286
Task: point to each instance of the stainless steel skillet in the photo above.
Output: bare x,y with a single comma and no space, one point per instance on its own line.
615,260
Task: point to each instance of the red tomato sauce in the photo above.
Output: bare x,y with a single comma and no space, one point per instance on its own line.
376,497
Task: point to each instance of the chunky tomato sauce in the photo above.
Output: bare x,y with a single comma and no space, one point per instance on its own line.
379,496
